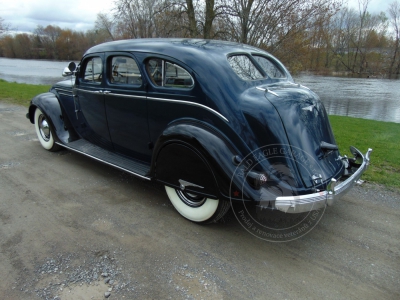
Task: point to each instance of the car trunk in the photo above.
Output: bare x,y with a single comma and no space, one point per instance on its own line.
309,132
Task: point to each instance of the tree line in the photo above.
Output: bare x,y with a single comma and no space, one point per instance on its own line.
322,36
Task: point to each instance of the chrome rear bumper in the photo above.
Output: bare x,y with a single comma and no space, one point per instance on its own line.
305,203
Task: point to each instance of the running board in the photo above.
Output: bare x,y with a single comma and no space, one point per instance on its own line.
118,161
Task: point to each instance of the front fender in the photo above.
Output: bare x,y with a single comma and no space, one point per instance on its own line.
49,104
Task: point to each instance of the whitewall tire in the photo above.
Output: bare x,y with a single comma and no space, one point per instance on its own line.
44,131
196,208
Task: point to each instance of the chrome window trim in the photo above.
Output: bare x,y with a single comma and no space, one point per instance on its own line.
161,99
192,104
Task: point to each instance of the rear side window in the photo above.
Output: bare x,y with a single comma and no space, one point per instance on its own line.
269,67
93,70
124,70
167,74
244,67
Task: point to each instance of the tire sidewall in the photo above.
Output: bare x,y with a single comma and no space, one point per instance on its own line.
199,214
48,145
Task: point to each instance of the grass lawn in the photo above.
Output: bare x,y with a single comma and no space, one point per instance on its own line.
382,137
20,93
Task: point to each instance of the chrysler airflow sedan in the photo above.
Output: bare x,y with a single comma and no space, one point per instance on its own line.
214,122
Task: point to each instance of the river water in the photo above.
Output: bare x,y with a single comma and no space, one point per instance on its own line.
369,98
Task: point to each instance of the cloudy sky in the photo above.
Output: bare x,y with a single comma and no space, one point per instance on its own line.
25,15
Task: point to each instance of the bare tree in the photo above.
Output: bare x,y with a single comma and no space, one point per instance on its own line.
135,18
4,27
344,30
48,37
269,22
105,24
197,17
394,13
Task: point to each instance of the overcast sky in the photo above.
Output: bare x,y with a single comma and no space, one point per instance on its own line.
80,15
25,15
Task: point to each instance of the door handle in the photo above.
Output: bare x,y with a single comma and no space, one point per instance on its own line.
106,92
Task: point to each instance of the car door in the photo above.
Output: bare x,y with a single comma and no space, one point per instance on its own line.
171,94
126,106
90,105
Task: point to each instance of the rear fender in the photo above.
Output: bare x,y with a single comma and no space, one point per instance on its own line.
196,154
50,106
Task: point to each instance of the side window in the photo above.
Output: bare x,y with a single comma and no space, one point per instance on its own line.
244,68
124,70
175,76
93,70
269,67
167,74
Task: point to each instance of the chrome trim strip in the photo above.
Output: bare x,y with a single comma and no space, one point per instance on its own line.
103,161
267,91
123,95
90,91
306,203
63,90
273,93
160,99
65,93
191,103
183,184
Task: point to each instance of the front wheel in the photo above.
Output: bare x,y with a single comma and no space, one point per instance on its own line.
44,132
197,208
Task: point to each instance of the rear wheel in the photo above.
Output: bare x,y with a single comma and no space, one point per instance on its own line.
45,132
197,208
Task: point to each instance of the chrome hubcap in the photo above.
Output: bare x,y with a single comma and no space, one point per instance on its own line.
190,199
44,128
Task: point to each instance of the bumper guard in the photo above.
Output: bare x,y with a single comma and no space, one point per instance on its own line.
334,191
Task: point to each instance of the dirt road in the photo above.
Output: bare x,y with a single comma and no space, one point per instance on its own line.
73,228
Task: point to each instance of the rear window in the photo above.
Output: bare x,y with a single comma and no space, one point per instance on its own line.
244,67
269,67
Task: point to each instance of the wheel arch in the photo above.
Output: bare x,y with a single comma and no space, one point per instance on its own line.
49,104
197,153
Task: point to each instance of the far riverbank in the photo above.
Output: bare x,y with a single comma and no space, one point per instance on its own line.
368,98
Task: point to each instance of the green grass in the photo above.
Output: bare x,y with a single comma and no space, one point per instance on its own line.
382,137
20,93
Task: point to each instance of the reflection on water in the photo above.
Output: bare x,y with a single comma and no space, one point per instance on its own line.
368,98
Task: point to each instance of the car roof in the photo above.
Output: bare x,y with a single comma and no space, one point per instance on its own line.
175,47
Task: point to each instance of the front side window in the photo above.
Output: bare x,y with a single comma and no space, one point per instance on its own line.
124,70
269,67
244,67
168,74
93,70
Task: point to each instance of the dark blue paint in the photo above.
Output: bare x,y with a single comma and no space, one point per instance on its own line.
155,117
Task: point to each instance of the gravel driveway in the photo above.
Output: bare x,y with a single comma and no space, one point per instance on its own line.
73,228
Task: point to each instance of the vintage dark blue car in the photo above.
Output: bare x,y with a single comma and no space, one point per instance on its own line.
215,122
